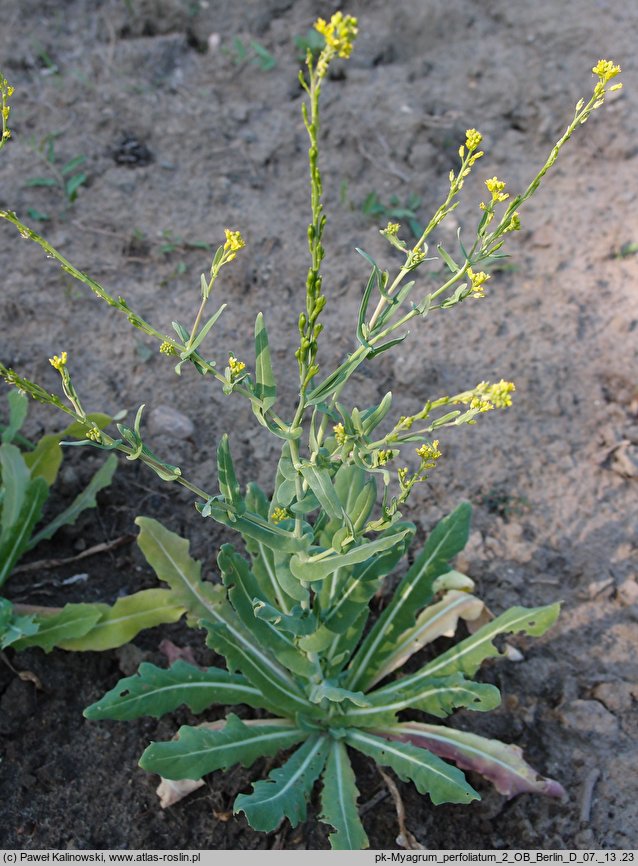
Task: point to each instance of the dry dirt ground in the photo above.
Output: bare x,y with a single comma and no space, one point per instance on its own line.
186,130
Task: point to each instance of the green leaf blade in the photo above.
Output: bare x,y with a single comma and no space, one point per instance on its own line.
431,775
72,622
501,764
122,621
154,691
467,656
14,539
339,801
200,750
265,385
414,592
85,499
287,790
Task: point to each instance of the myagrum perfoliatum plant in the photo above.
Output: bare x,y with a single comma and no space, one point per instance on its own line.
291,612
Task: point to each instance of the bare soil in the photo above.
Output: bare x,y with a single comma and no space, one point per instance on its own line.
182,137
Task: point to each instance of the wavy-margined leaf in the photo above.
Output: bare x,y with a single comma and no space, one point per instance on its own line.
54,628
438,697
501,764
200,750
154,691
14,626
255,527
339,801
15,478
412,594
168,555
46,458
265,386
286,792
431,775
330,691
243,654
315,568
299,622
320,482
16,531
437,620
243,591
467,656
18,408
120,622
228,484
85,499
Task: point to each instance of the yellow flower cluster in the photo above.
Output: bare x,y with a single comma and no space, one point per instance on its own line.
167,348
234,242
278,515
94,434
478,280
486,397
5,92
428,454
236,366
339,34
391,229
496,187
385,456
58,361
606,70
472,139
340,433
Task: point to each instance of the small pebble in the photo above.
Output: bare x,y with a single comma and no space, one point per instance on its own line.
165,419
588,717
628,592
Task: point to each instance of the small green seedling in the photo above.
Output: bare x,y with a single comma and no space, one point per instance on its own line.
251,52
291,609
311,42
394,210
64,178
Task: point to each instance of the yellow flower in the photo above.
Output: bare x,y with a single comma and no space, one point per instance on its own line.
167,348
477,281
472,139
234,242
278,515
606,70
339,34
486,397
59,362
391,229
236,366
385,456
340,433
429,453
499,394
94,434
496,187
